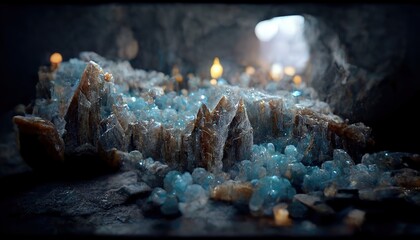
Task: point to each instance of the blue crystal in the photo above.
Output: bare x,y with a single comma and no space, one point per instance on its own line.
385,161
201,177
291,151
270,148
180,184
158,196
268,192
245,168
343,161
317,180
170,206
169,180
198,175
297,172
296,93
209,181
195,198
361,177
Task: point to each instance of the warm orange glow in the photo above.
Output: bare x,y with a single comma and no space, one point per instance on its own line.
297,80
213,81
216,69
290,71
281,215
179,78
56,58
176,74
249,70
107,76
276,72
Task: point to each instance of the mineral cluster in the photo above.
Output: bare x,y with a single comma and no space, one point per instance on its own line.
255,147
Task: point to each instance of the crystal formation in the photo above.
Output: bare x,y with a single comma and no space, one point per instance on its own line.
221,142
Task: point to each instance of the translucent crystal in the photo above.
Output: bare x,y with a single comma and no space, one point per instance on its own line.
180,184
170,206
269,191
158,196
169,180
317,180
195,198
291,151
362,177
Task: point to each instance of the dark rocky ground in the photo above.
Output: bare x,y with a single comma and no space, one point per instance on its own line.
113,204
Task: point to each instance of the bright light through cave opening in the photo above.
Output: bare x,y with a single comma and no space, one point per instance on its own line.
283,44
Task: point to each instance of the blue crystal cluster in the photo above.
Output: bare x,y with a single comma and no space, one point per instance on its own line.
183,193
265,146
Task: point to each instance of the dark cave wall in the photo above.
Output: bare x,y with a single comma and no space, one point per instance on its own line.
364,57
364,64
355,53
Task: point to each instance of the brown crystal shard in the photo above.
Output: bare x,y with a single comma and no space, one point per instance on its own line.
277,117
233,191
171,148
353,138
135,139
200,146
259,115
152,140
238,145
113,135
40,144
222,116
206,143
83,115
112,158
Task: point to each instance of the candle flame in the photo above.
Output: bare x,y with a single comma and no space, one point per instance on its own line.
213,82
55,60
290,71
216,69
176,74
250,70
297,80
281,215
276,72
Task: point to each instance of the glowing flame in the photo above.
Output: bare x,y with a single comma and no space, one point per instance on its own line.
297,80
290,71
281,215
213,82
177,75
216,69
249,70
55,60
276,72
